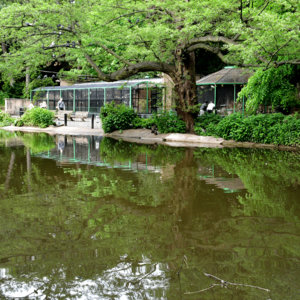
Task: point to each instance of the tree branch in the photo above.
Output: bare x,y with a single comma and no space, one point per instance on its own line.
209,38
126,62
133,69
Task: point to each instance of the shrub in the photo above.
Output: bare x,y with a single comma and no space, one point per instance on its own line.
5,119
38,117
120,117
169,122
117,117
203,121
143,123
19,122
268,129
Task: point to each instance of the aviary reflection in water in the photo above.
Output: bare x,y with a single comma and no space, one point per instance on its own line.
106,219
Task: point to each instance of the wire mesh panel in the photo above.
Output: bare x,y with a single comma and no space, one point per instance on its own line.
205,93
81,100
117,95
68,97
38,97
225,99
238,106
146,103
54,97
155,99
96,100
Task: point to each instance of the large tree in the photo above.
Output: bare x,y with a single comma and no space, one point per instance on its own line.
119,39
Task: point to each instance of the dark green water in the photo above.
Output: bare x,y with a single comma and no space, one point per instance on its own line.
93,218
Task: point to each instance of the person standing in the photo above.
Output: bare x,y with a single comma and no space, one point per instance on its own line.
61,105
210,107
203,108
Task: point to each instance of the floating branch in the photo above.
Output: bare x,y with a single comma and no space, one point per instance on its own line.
224,283
184,259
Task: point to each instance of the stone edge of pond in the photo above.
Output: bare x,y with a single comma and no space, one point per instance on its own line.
182,139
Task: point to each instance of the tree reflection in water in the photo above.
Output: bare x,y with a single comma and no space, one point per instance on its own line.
119,230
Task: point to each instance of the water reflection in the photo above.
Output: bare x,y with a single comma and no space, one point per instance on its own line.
91,218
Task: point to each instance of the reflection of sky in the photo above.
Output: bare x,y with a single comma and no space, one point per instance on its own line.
125,281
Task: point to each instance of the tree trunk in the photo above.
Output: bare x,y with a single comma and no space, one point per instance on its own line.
185,89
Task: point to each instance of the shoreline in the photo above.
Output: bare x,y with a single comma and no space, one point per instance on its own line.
144,136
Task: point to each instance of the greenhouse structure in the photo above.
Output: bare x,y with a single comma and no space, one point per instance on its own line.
222,89
145,96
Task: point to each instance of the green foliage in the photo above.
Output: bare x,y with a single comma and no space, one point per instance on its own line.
36,83
145,37
120,151
38,117
143,123
204,121
263,128
117,117
8,91
271,87
120,117
5,119
38,142
3,95
168,121
19,122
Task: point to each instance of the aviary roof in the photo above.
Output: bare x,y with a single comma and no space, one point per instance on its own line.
104,84
227,75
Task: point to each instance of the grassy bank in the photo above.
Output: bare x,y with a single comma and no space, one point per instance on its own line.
274,129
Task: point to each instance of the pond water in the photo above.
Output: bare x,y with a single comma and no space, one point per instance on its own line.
93,218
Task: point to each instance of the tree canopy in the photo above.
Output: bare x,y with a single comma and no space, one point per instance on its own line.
119,39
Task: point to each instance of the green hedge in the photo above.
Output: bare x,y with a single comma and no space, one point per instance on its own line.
264,128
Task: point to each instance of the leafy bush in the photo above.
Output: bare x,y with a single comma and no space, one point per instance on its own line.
5,119
117,117
121,117
203,121
38,117
143,123
264,128
169,122
19,122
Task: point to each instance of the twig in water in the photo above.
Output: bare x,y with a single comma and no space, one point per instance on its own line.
224,283
211,286
184,259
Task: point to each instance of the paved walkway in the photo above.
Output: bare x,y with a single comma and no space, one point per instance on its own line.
58,130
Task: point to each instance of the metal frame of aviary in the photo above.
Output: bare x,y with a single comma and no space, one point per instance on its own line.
144,95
